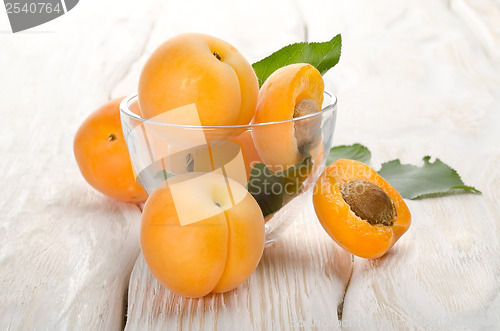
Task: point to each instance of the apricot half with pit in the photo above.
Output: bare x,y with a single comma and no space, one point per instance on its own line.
292,91
202,70
360,211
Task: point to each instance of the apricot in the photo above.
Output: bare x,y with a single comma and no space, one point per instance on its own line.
289,92
202,70
360,211
224,157
250,155
102,156
201,233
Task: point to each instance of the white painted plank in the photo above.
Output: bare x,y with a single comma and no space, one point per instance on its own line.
285,291
415,78
255,28
444,275
299,282
419,78
66,251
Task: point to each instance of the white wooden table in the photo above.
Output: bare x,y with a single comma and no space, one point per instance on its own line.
415,78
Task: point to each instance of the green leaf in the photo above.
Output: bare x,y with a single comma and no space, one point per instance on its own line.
323,56
295,176
356,152
270,188
430,180
266,188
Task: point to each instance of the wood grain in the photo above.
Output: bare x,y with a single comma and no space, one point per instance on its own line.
300,280
66,250
415,78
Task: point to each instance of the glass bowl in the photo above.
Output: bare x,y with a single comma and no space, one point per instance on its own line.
277,162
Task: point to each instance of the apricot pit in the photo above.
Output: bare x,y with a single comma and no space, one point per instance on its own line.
306,130
369,202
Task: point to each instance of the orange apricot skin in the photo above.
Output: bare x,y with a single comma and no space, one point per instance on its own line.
190,259
245,243
213,255
102,155
250,155
348,230
184,70
283,89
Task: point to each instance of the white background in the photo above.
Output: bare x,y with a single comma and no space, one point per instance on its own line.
415,78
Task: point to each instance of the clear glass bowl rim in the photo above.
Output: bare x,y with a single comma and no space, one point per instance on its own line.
124,109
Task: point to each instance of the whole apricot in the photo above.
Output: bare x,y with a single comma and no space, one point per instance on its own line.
102,155
201,233
202,70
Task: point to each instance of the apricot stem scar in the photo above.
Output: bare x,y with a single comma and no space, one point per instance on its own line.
112,137
217,56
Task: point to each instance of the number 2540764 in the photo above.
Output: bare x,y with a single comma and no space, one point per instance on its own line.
34,7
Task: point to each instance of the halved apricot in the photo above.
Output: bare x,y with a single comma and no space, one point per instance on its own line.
360,210
291,91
